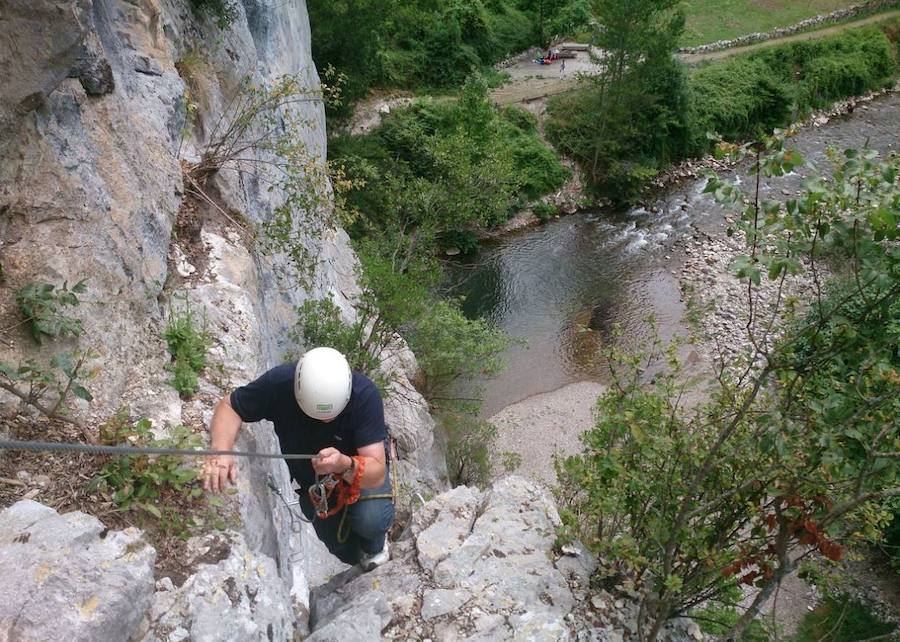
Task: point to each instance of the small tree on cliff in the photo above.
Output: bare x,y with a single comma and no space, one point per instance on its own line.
797,451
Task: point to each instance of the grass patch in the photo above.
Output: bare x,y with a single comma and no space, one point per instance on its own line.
711,20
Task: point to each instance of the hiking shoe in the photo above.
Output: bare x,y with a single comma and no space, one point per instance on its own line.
370,562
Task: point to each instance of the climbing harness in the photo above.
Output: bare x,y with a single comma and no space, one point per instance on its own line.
326,486
332,492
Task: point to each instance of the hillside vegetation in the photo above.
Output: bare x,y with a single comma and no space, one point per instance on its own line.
667,111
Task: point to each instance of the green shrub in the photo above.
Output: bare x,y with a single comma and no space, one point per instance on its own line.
859,63
319,323
466,241
469,448
747,96
739,99
450,348
141,481
536,167
838,619
446,166
42,305
520,118
188,344
544,211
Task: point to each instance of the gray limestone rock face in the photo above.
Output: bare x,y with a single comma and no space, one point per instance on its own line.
444,525
44,42
363,620
94,131
235,599
505,563
482,568
67,577
422,466
438,602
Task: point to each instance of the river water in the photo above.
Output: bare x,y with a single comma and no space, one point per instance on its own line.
561,287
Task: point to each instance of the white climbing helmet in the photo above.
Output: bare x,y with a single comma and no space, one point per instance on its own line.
322,383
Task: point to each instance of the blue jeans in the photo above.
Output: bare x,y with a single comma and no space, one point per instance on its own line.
368,523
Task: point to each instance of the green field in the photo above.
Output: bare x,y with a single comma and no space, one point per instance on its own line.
711,20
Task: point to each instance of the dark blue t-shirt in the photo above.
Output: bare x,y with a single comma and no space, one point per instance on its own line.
271,397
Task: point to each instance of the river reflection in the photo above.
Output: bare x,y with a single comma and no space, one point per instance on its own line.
562,287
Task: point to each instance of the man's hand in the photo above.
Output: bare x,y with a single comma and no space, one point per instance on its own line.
218,471
330,460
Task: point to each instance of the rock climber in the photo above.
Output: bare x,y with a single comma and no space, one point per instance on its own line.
319,406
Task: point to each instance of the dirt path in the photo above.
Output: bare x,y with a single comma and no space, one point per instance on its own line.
530,81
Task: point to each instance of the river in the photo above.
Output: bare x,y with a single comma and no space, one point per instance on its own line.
562,287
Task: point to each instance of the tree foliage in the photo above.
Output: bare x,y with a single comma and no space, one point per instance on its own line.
48,387
633,116
797,450
646,110
441,167
433,43
42,305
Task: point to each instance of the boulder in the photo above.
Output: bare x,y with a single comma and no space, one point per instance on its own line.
67,577
472,565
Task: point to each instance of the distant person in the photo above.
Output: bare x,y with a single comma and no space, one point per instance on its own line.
562,68
318,406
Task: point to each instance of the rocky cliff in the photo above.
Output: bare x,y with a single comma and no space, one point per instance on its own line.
103,104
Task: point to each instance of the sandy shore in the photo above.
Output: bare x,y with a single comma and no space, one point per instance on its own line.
546,424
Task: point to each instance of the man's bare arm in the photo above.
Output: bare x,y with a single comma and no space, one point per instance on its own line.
223,430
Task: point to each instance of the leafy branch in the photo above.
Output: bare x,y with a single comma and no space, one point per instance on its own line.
42,389
42,305
795,450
